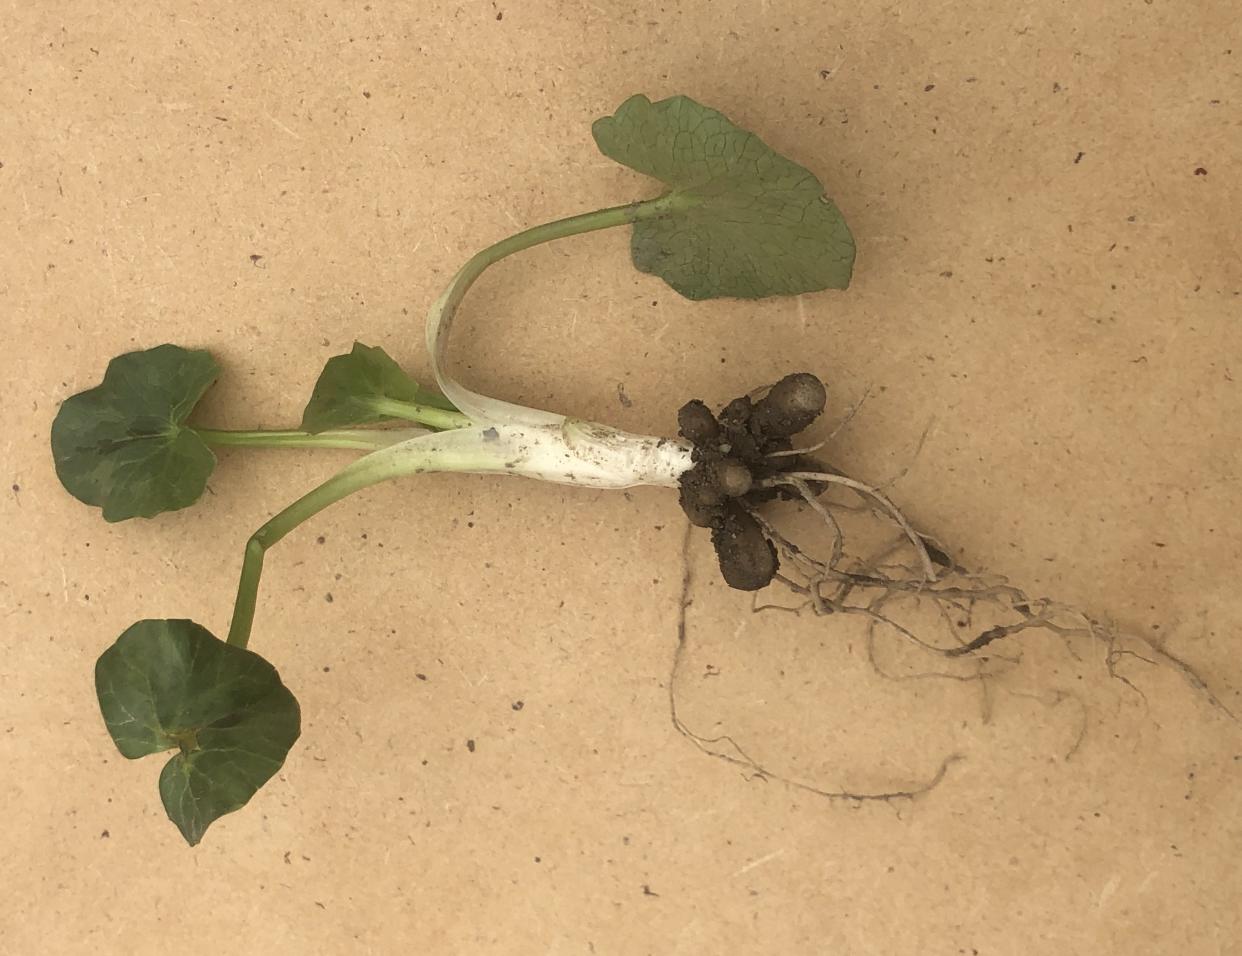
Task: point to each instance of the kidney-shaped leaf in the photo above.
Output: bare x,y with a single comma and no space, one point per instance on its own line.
122,445
745,221
171,684
351,386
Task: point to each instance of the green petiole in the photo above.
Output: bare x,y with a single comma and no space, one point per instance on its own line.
462,450
440,318
362,439
359,475
437,418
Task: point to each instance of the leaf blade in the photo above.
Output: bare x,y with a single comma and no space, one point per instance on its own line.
172,685
123,447
346,390
746,222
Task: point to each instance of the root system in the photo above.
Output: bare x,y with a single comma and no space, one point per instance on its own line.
870,564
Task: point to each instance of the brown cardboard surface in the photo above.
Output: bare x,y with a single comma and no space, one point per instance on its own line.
1046,199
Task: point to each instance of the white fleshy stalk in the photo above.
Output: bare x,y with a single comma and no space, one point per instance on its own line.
508,439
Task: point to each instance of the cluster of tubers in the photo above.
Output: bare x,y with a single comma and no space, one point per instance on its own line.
736,454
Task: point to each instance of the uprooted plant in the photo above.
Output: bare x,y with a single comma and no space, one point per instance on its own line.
736,220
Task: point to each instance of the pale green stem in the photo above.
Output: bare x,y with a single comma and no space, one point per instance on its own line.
437,418
454,450
440,319
363,439
346,482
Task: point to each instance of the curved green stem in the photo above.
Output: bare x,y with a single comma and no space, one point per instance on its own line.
363,439
453,450
355,477
440,318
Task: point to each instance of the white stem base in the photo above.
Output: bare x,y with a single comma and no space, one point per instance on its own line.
570,452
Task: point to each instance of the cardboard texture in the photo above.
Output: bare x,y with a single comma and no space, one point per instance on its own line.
1045,198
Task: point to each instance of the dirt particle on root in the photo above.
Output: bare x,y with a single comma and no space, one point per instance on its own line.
470,745
937,556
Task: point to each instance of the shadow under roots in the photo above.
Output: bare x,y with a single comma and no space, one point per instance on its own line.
873,664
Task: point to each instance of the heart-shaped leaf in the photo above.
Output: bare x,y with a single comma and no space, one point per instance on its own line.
122,445
171,684
745,221
352,390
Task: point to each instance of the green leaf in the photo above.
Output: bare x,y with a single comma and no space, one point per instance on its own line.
351,386
746,222
121,446
171,684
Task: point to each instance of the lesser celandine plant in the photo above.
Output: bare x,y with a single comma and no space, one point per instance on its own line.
733,219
